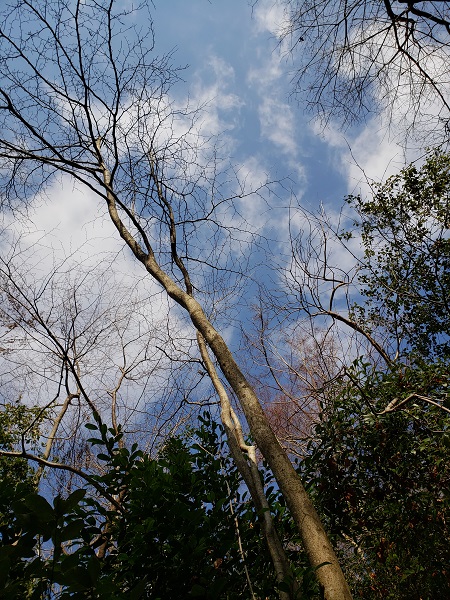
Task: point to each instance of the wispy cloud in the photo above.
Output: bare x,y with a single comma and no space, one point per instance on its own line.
371,154
278,125
212,89
269,17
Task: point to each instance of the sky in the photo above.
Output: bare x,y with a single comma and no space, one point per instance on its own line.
236,63
239,73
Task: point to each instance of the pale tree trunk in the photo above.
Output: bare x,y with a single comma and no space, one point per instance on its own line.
54,117
317,545
53,432
250,474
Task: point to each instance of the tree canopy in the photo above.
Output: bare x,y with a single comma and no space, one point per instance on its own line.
356,57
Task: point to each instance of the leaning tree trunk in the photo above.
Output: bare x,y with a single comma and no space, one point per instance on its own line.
250,474
317,544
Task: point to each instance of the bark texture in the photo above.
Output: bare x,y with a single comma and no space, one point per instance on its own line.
317,544
250,474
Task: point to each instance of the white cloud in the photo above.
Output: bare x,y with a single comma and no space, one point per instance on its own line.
220,106
278,124
253,208
277,120
68,221
410,108
373,153
267,73
71,263
270,17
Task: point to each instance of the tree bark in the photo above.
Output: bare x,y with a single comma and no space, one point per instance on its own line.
317,544
250,474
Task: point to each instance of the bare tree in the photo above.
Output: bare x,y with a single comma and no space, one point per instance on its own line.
322,281
80,97
354,57
76,341
377,278
298,361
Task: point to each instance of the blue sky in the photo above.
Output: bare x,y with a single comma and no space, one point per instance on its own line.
240,71
236,62
237,71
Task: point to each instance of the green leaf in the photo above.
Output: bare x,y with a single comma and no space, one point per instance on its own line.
39,506
94,568
74,499
72,531
197,590
103,457
96,441
138,590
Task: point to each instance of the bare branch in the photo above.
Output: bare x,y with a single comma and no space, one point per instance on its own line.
54,465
